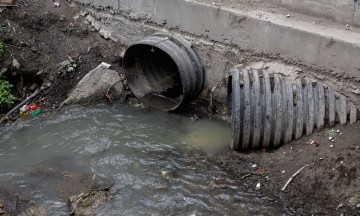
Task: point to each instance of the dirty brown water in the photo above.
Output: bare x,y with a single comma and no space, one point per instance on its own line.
158,163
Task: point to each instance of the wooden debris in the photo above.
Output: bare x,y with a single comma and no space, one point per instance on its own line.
293,176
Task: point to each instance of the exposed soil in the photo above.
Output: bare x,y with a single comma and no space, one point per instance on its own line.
330,185
40,36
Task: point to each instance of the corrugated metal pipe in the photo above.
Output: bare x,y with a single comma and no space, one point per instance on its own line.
164,71
267,110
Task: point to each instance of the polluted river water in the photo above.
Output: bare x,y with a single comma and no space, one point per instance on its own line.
157,162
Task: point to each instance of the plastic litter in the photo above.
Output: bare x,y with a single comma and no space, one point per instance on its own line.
32,109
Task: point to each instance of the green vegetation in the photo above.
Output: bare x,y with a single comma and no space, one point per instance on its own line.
68,30
6,98
48,61
330,133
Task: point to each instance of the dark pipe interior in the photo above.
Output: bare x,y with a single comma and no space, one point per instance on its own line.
154,71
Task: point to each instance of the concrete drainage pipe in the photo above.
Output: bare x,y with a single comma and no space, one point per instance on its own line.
163,71
267,110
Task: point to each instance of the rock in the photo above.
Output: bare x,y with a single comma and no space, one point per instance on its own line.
34,211
3,70
33,87
95,85
15,63
39,72
86,204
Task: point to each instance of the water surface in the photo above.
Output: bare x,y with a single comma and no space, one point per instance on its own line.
158,162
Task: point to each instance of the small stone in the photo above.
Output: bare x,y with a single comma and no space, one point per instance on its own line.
339,206
3,70
61,19
330,138
33,87
337,131
39,72
331,146
83,13
257,187
254,165
104,65
283,171
353,201
288,16
358,205
15,64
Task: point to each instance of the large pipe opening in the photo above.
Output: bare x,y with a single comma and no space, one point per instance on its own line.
163,71
155,75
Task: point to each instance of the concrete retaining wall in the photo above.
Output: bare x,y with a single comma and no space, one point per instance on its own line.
331,50
339,10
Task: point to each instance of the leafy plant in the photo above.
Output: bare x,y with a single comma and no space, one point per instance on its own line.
48,61
330,133
6,98
68,30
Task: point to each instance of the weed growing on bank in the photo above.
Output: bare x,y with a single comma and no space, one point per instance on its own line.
6,98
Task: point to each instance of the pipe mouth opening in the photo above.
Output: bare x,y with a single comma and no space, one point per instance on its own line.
153,76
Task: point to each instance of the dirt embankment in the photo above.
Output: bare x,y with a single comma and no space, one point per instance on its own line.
41,35
329,185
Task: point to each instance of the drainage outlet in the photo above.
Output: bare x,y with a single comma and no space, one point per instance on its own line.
163,71
267,110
